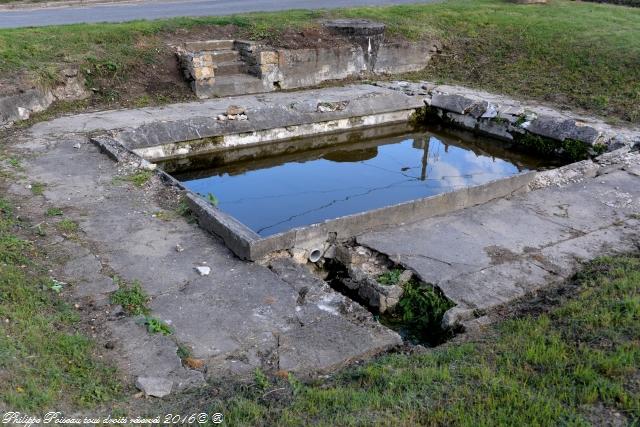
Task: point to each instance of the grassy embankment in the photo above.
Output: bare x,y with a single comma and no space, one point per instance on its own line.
46,363
575,361
574,54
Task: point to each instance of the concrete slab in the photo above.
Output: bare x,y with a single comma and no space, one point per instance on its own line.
232,318
491,254
157,125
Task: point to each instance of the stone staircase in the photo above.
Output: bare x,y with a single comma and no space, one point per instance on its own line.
216,69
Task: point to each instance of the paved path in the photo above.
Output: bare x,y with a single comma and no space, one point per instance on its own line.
121,12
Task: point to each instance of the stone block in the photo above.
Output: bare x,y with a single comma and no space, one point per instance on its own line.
202,60
268,57
558,129
202,73
154,386
454,103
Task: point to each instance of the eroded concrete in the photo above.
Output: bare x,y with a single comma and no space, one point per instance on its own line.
244,315
491,254
240,317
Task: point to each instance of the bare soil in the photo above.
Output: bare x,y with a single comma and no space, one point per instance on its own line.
311,37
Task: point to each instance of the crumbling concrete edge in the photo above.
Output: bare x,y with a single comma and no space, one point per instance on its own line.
509,119
322,236
220,141
248,245
118,152
20,106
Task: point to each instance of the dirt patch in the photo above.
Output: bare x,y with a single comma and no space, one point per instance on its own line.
500,255
312,37
203,32
15,84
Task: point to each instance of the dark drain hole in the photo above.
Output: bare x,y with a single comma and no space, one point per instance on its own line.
395,296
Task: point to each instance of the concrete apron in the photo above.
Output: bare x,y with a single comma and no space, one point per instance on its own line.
314,241
358,107
244,315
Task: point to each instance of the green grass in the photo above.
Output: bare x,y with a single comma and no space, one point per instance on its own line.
44,362
391,277
37,188
157,326
576,54
554,369
67,226
54,212
131,297
139,178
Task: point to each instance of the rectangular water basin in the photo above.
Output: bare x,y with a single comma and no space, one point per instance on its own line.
273,188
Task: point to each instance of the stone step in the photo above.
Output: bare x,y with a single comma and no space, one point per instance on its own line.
224,56
209,45
230,67
236,84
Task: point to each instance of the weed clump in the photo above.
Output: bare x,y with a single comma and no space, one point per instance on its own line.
131,297
420,311
157,326
391,277
139,178
67,226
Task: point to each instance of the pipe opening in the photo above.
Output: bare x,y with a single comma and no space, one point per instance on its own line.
315,255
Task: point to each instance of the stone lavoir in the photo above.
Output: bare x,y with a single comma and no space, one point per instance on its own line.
236,67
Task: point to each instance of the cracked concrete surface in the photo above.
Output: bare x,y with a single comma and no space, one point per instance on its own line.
491,254
244,315
240,317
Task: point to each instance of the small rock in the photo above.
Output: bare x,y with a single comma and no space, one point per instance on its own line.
222,117
146,165
179,248
232,117
203,270
405,276
235,110
76,146
455,316
325,107
242,117
70,72
154,386
23,113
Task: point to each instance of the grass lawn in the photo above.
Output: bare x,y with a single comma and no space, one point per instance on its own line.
45,363
575,361
574,54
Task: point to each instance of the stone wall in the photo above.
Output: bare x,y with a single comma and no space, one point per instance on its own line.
21,105
540,128
290,69
198,68
299,68
404,57
310,67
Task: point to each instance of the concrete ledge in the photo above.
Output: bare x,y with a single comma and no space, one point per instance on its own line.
509,119
235,235
271,117
248,245
225,142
